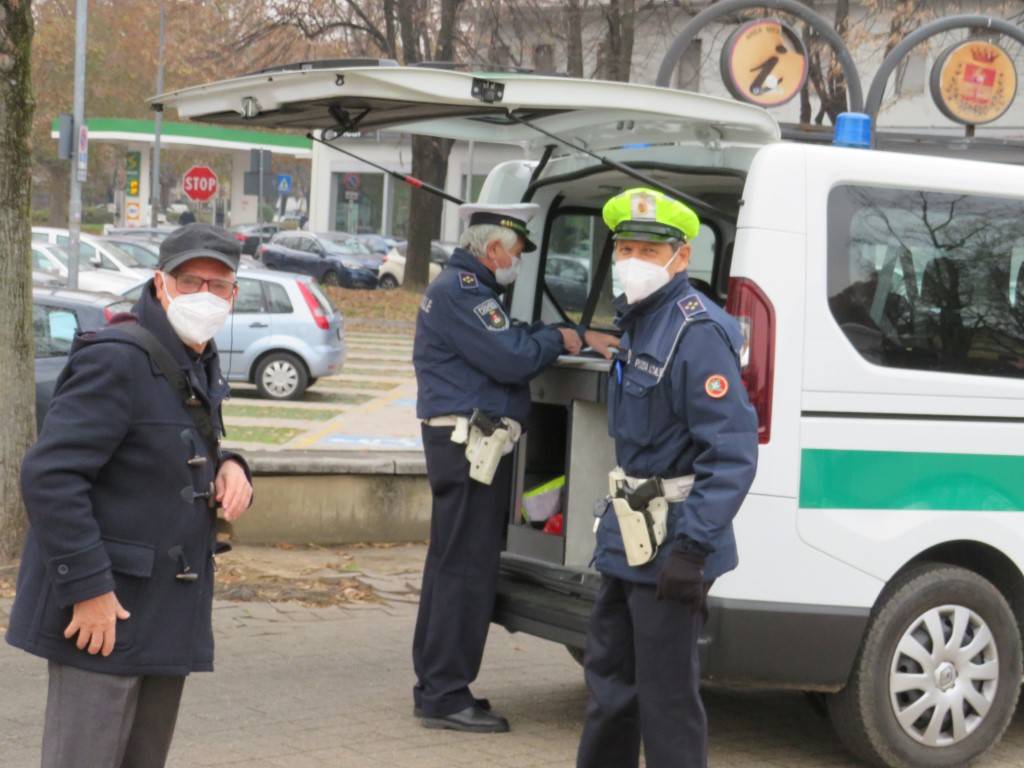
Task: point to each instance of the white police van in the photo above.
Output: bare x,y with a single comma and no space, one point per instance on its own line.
882,296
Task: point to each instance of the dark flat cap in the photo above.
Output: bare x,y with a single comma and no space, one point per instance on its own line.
199,241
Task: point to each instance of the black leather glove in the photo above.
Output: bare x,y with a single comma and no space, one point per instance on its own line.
682,577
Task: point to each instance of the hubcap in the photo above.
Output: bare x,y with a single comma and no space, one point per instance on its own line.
280,378
943,677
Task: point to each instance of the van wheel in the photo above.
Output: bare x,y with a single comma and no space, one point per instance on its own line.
281,376
938,674
576,653
388,282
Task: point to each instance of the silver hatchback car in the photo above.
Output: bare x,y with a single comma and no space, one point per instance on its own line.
283,334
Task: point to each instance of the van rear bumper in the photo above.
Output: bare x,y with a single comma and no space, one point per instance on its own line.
746,643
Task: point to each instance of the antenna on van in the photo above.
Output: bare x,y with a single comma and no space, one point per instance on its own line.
694,202
412,181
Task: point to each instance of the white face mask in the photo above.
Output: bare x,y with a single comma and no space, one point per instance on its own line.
507,275
196,317
640,278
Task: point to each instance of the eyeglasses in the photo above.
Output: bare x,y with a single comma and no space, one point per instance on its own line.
223,289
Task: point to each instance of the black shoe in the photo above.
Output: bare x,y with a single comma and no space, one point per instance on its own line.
484,704
471,719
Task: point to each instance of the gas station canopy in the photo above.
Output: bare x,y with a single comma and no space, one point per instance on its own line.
117,129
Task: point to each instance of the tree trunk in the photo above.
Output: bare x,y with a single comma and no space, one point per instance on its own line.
429,163
17,406
621,16
429,154
574,38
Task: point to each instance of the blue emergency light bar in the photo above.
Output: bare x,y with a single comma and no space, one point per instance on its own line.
853,129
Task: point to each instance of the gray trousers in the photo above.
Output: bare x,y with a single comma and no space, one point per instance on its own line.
108,721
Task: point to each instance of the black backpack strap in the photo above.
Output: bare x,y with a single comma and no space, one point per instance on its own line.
169,367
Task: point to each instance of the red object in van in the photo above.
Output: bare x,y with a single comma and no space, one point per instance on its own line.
756,316
554,525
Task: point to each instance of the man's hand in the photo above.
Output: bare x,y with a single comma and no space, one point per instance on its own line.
95,622
571,340
234,491
602,342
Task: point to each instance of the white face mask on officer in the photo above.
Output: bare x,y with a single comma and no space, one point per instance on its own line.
641,278
196,317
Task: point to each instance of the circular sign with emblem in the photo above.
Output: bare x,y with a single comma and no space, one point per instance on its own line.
764,62
974,82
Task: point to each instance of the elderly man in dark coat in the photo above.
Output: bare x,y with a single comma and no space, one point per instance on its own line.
116,582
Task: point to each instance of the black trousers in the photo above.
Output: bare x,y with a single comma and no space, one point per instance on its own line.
460,577
643,674
108,721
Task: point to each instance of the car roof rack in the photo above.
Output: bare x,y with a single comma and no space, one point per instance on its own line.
984,149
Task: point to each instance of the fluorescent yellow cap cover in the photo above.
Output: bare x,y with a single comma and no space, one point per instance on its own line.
646,214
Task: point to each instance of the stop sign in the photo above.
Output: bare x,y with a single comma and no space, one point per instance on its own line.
199,183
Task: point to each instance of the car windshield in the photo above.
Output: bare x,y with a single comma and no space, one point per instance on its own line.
145,255
84,265
340,242
127,259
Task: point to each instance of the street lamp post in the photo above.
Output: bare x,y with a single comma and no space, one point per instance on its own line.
158,121
75,206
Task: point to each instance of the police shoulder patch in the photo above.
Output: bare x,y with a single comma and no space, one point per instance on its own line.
468,280
716,386
691,306
491,315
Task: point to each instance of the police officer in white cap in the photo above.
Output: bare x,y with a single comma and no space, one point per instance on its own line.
473,367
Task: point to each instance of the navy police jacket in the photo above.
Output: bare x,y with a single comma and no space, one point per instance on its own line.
468,354
676,406
109,494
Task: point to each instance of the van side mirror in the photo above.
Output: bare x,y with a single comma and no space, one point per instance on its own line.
96,261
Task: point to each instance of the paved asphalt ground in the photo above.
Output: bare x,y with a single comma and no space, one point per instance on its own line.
299,687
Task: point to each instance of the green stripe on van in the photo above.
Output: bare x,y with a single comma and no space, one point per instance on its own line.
835,479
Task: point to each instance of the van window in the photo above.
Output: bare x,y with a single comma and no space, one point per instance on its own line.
929,280
573,252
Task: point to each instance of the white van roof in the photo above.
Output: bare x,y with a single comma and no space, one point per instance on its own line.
471,106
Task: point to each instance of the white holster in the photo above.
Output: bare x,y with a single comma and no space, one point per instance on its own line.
644,530
484,452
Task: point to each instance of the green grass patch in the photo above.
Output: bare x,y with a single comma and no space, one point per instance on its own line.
275,412
269,435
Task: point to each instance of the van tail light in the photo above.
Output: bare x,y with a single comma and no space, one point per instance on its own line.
240,237
108,314
319,315
756,316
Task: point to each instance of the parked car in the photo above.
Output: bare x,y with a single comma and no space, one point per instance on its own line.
332,258
392,271
53,260
102,255
282,336
252,236
379,244
57,315
149,233
146,252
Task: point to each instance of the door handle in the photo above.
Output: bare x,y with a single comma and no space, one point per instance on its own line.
258,325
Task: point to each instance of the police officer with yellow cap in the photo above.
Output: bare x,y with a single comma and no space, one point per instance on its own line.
686,445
